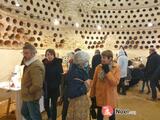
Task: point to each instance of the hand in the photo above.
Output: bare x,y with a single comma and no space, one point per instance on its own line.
93,100
105,68
88,82
59,101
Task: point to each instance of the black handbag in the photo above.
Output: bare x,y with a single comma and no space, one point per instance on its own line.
93,108
93,113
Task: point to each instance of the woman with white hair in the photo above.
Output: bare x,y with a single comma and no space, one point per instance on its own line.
77,88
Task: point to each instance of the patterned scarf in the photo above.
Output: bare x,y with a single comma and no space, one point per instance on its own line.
101,75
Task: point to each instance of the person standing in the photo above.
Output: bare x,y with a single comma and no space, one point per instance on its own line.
123,63
77,87
96,60
153,62
64,98
105,81
32,83
53,74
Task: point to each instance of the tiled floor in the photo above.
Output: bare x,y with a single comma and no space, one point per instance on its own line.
134,101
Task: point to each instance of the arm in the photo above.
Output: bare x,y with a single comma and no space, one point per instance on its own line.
61,68
58,73
37,77
114,78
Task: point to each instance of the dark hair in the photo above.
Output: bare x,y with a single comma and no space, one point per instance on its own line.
30,47
130,62
51,51
97,52
152,49
141,66
77,49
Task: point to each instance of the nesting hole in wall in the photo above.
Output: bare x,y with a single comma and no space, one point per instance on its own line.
1,16
1,42
1,26
17,36
15,43
7,43
20,30
31,39
11,36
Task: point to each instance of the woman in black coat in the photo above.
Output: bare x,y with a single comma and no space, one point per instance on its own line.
53,73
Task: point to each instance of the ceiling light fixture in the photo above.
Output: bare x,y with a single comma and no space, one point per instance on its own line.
56,22
17,3
76,24
150,24
99,27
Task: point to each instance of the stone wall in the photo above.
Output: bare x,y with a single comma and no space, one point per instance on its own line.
89,24
68,24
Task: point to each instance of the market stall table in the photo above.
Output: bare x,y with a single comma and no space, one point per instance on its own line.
15,92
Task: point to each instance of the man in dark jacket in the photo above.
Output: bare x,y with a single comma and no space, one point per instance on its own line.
153,62
96,60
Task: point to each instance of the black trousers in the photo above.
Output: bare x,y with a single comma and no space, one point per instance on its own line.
100,116
154,84
121,89
65,108
51,110
145,82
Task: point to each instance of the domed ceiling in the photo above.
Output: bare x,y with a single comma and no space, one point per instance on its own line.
88,24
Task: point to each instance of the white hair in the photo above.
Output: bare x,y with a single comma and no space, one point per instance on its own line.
80,58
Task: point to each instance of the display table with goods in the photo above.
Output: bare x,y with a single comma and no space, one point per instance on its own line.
12,89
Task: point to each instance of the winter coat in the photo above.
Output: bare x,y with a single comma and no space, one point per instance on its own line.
153,62
53,75
32,81
123,63
106,91
75,79
96,60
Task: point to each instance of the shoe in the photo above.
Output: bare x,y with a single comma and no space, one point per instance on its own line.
152,99
148,92
158,99
141,91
